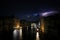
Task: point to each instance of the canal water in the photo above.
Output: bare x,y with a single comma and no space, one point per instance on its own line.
26,34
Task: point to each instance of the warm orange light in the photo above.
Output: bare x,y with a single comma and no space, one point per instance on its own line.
18,26
42,25
20,33
42,28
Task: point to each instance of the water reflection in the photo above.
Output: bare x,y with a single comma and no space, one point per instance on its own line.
37,36
26,35
15,34
20,33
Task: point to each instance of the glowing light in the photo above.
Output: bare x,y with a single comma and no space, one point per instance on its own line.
39,23
15,33
37,36
33,25
20,33
37,29
42,29
17,26
42,25
48,13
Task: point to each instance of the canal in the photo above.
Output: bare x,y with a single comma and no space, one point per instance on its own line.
26,34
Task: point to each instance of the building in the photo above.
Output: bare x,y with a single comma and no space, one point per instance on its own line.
51,24
8,23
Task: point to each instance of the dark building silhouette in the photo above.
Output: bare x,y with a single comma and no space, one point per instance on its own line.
52,26
6,27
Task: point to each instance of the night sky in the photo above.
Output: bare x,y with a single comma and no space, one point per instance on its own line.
26,9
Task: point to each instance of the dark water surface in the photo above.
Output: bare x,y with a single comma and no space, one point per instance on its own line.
27,34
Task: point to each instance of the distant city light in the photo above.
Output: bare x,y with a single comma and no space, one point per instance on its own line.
39,23
33,25
37,29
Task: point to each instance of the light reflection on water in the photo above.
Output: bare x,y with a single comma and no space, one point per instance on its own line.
37,36
20,33
15,34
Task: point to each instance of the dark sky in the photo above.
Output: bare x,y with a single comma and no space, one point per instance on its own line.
23,9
